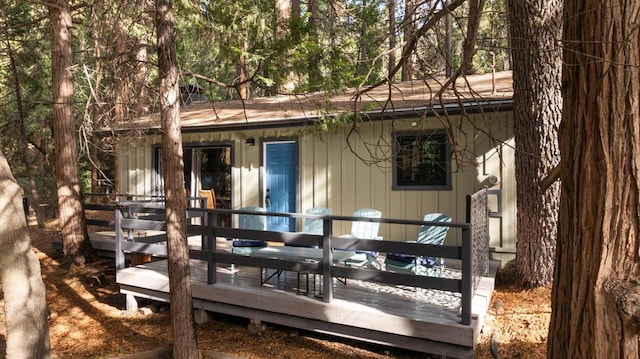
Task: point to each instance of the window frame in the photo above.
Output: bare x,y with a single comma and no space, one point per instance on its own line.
397,136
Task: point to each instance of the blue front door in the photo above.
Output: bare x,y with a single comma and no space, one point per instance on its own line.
280,184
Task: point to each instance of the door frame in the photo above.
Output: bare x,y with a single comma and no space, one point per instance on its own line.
263,169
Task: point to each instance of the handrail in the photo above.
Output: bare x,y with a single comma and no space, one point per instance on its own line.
210,230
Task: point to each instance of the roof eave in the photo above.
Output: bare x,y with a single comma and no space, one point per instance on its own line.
447,109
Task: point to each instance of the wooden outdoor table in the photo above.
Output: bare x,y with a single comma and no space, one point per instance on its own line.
301,254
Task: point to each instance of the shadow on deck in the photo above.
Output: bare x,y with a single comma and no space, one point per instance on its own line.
437,315
423,320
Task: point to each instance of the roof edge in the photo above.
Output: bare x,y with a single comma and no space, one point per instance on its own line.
446,109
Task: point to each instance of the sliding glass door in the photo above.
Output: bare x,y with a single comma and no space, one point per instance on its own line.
206,167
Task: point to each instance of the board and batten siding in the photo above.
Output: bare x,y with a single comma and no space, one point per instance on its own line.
134,165
332,175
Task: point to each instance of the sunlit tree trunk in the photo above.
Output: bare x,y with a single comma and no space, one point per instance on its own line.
184,335
25,306
537,110
77,248
391,8
244,87
286,82
596,290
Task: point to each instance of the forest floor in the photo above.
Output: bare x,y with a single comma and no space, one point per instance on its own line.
87,321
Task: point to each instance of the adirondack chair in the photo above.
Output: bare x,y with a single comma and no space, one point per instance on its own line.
313,225
250,221
365,230
431,266
210,195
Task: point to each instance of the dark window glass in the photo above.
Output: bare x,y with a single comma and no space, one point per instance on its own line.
422,161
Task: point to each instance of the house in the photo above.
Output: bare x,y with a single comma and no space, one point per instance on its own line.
410,152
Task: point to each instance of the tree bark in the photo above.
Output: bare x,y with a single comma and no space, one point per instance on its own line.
77,248
185,345
25,304
596,292
537,111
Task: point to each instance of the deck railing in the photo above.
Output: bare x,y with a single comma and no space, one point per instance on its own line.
478,217
469,253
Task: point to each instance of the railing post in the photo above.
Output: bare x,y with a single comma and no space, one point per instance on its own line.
467,276
119,237
327,261
210,247
129,215
205,223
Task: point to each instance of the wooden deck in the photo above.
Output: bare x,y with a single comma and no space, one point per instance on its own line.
443,318
422,320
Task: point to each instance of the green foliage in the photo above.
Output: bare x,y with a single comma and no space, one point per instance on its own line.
26,41
493,38
335,45
334,119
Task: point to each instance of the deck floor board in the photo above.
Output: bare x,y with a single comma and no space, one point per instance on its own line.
391,315
422,320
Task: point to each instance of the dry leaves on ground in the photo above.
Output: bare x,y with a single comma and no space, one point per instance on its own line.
87,321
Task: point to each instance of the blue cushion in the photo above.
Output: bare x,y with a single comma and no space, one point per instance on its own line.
408,258
248,243
405,258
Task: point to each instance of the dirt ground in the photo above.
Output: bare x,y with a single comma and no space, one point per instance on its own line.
87,321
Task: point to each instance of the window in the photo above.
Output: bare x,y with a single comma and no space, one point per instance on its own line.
422,161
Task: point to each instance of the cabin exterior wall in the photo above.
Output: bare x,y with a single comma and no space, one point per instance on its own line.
333,174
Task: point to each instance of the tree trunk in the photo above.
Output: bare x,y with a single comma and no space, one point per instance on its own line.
93,148
596,293
142,68
391,8
24,142
282,15
25,305
448,52
362,63
295,10
142,78
185,345
121,88
244,89
537,111
77,248
409,29
315,75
